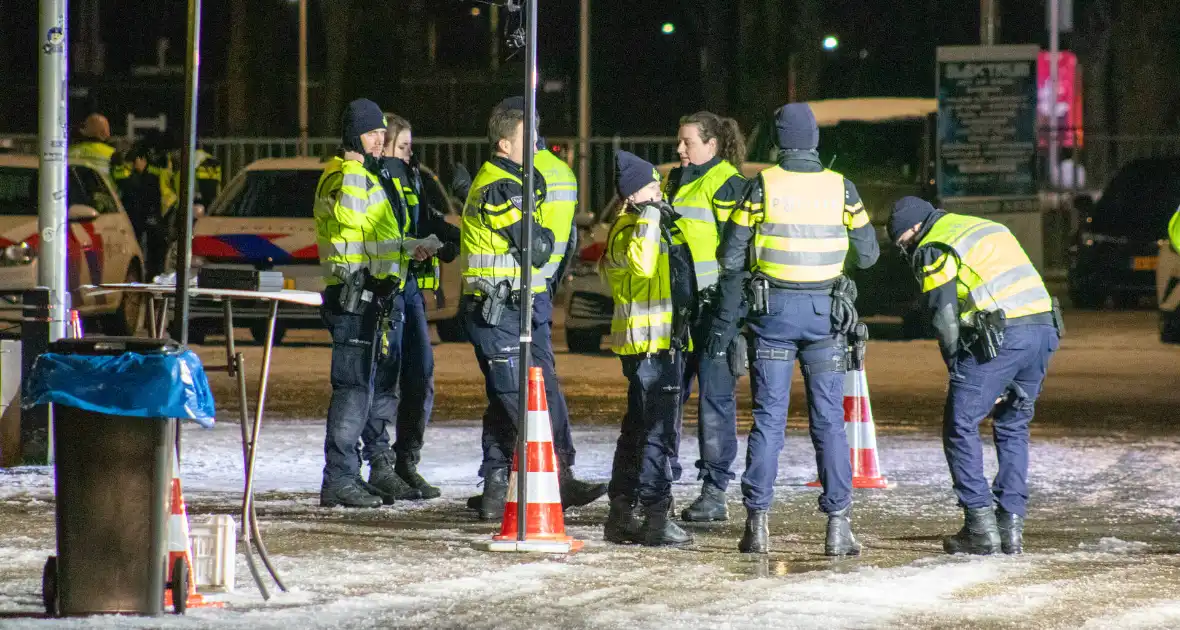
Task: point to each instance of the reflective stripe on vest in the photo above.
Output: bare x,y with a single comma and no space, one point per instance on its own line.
560,205
991,269
801,236
700,220
484,253
96,154
642,320
355,225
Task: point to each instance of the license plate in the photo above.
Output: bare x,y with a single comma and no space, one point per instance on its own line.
288,283
1145,263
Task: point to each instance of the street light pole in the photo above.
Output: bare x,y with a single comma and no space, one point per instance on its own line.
1054,48
52,122
184,213
988,16
584,106
302,77
526,267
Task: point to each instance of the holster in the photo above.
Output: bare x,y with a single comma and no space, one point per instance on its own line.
858,343
495,300
354,294
1058,318
759,296
989,334
738,356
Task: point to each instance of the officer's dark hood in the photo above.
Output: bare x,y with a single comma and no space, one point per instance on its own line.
360,117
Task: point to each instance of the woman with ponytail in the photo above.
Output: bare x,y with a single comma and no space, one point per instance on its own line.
704,190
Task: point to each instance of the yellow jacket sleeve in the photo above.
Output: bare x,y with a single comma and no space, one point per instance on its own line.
643,251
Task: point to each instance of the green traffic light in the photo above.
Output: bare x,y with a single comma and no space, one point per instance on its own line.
668,28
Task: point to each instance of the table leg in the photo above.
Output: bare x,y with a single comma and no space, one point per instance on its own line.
151,317
258,411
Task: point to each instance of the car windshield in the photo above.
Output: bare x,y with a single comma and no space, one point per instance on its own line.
18,191
1140,200
278,193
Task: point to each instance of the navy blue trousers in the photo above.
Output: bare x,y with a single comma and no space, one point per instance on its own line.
798,325
1017,375
649,435
416,380
364,385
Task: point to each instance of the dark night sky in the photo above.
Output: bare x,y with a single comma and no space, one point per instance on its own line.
639,74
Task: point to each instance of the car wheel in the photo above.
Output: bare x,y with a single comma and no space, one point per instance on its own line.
258,332
450,330
1170,327
128,318
583,341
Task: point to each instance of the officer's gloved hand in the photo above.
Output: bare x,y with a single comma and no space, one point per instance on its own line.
373,164
844,315
448,252
668,214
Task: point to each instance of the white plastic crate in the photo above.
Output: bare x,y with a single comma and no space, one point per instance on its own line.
215,546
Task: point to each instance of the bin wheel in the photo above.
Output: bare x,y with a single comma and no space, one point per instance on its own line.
179,586
49,586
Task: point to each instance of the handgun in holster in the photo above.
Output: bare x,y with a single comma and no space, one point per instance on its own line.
989,333
759,296
355,295
1058,318
858,343
681,327
495,300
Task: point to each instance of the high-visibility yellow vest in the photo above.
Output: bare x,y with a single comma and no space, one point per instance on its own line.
428,273
93,153
991,269
701,219
1174,231
560,205
483,251
208,169
801,235
636,266
355,224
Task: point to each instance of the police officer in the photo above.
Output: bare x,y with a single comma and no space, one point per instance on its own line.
792,237
360,243
140,191
490,253
416,379
556,213
997,328
208,175
93,144
704,190
649,269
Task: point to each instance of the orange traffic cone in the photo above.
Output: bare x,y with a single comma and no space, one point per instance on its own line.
74,331
545,523
861,432
179,546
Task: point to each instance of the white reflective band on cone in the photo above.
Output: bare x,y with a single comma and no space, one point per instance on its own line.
860,435
543,488
539,428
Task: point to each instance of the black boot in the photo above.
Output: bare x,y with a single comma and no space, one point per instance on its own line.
407,469
710,506
1011,528
622,526
495,493
979,536
349,494
840,541
658,529
388,484
474,502
576,493
757,536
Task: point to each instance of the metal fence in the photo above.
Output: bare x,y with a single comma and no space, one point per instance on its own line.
1102,154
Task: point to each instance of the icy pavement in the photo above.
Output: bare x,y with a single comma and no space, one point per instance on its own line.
1101,542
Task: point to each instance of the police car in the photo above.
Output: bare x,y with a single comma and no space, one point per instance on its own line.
101,246
264,220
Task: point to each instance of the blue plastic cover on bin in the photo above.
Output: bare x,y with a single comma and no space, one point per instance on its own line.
163,385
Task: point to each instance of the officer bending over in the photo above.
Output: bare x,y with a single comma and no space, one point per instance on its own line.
649,269
791,238
997,327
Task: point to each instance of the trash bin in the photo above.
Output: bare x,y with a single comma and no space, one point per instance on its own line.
117,401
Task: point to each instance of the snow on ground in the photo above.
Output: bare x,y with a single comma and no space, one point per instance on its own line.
1100,543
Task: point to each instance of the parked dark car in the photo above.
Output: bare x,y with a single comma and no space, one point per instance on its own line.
1116,251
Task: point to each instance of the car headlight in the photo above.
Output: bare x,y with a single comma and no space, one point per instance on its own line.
18,254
